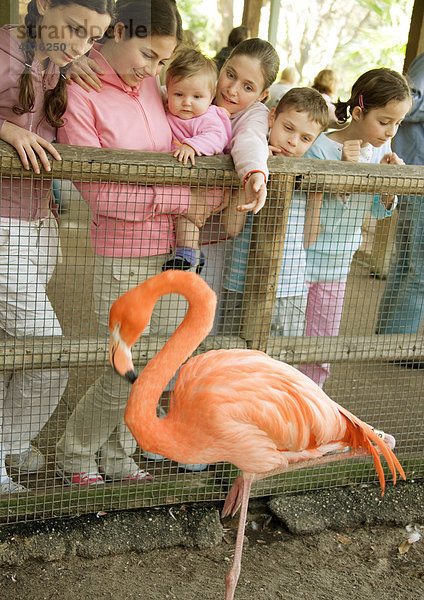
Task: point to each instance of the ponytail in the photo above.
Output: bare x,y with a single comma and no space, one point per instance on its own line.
341,111
26,88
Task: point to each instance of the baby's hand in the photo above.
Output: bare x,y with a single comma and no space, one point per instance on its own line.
351,150
83,72
255,193
29,145
185,152
391,159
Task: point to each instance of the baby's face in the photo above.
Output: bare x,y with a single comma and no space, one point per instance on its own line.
292,132
189,97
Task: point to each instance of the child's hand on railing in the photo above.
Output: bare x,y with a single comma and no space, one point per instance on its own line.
29,145
391,159
83,72
351,150
255,193
184,152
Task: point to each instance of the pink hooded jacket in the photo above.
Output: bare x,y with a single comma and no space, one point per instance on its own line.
126,220
22,198
207,134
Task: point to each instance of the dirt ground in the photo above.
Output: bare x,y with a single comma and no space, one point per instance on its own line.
363,563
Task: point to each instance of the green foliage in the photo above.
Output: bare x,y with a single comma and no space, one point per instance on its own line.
198,22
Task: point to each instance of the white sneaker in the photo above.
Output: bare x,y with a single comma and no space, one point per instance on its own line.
8,486
28,461
198,467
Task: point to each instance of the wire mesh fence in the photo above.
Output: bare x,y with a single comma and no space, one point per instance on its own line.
62,406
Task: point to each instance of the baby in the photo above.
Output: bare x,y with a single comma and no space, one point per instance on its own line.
199,129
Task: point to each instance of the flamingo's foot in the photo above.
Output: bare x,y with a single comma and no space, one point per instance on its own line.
234,498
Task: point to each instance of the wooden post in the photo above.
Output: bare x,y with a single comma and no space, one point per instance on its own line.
266,250
415,44
252,15
9,12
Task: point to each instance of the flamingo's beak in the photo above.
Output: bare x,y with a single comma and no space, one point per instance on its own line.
120,357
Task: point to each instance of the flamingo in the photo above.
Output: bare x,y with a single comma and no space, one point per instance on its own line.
238,406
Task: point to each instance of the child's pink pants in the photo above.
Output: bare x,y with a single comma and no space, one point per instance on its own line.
323,317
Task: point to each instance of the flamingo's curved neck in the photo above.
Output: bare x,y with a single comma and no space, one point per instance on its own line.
197,323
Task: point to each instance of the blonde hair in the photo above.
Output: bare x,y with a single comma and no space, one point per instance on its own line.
308,100
289,74
326,82
189,62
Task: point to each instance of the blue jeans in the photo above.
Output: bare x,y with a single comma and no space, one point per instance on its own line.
402,306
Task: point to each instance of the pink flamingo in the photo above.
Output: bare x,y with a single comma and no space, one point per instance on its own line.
237,406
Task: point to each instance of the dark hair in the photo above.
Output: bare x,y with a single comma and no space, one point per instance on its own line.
372,90
305,99
54,99
264,52
237,35
144,18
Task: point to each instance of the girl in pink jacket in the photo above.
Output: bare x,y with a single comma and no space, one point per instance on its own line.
199,129
132,226
33,57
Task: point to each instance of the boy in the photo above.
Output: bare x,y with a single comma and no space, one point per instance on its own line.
296,122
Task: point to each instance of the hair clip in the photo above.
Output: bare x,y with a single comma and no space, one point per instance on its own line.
63,76
361,101
28,65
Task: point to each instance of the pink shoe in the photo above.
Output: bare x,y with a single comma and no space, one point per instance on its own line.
81,478
138,475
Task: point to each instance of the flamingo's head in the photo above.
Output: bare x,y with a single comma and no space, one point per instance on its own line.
120,355
129,316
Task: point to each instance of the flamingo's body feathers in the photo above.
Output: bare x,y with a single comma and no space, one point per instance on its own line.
258,413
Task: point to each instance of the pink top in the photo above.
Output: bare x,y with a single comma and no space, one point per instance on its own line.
249,146
22,198
126,220
207,134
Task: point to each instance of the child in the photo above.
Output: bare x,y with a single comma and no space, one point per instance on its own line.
131,229
300,116
242,86
33,99
379,100
198,128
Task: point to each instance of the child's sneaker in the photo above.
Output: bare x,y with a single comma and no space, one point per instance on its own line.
81,478
28,461
8,486
139,475
185,259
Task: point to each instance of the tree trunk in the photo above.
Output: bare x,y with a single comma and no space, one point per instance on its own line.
225,9
252,15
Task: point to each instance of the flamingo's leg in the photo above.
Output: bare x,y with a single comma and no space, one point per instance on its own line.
234,498
233,574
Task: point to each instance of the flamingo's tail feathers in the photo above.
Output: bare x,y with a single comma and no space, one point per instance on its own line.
361,435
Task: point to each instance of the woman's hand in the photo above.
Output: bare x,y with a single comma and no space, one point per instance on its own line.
83,72
255,193
29,146
391,159
351,150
